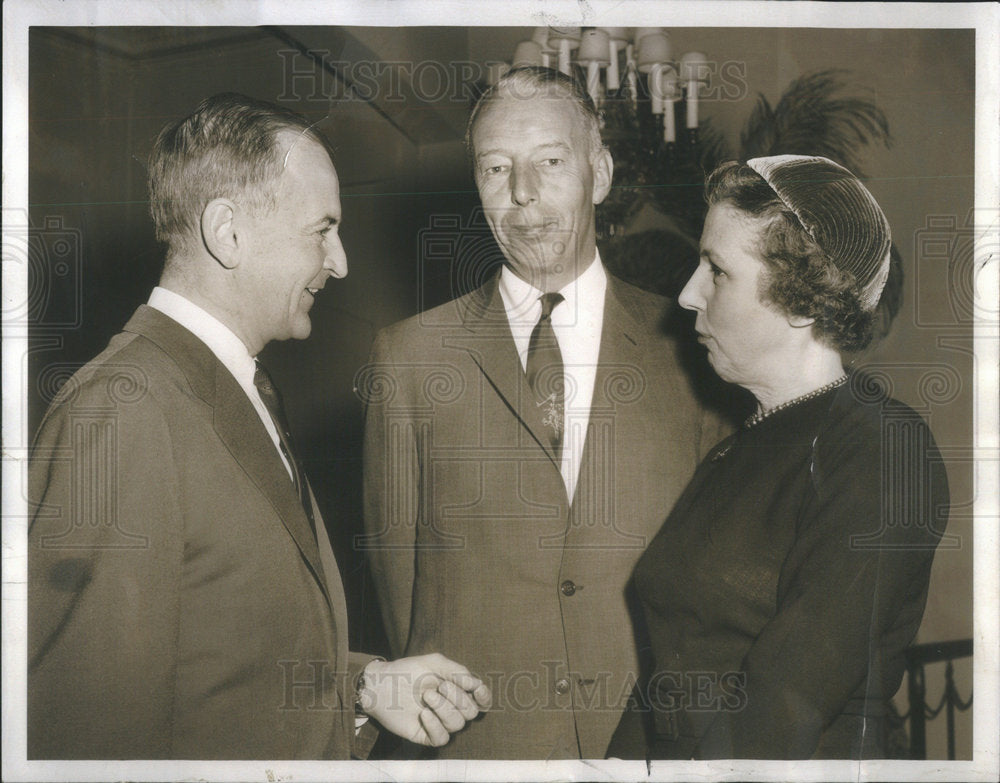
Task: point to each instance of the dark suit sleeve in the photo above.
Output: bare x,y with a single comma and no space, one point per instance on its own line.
105,551
391,490
850,597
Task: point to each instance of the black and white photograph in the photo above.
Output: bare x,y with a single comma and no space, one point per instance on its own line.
475,391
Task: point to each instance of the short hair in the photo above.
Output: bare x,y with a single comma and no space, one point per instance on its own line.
530,81
801,278
227,148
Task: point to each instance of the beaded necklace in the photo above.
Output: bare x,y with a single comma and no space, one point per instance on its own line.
758,417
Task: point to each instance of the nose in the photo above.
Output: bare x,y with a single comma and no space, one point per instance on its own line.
524,184
691,297
336,258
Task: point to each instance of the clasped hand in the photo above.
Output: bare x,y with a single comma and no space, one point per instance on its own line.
423,698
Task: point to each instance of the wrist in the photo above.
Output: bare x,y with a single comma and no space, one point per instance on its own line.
364,692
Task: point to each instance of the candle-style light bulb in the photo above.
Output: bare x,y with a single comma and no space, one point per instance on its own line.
593,53
693,73
565,38
630,73
617,37
667,83
653,56
527,53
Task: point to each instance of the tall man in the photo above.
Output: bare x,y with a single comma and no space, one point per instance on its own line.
525,441
183,599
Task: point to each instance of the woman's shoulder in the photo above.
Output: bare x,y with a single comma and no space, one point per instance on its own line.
865,428
865,409
873,445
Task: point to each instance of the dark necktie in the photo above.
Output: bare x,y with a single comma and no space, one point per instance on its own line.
544,370
272,399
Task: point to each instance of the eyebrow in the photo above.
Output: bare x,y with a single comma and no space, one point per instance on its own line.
326,220
560,145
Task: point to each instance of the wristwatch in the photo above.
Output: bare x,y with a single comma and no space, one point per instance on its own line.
360,684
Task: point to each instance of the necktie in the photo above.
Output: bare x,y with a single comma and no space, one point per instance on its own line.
544,370
272,400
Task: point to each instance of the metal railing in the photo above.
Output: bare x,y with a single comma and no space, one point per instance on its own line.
920,712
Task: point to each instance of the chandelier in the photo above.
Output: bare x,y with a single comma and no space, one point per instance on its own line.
603,55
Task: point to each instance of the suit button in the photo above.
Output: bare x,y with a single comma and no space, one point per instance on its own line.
562,686
567,587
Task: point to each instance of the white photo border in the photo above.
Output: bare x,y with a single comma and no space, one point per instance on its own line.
20,15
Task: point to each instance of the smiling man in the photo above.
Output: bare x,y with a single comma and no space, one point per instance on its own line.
525,441
183,598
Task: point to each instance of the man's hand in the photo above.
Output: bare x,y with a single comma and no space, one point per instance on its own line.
424,698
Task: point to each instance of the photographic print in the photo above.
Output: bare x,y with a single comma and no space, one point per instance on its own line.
463,392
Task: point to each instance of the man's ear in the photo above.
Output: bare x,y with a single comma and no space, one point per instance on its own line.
218,231
800,321
603,169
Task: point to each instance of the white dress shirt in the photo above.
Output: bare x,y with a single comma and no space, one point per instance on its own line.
577,323
227,347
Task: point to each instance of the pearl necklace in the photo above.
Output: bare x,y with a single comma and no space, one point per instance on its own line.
758,417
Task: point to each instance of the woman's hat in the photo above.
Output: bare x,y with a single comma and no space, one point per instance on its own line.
839,213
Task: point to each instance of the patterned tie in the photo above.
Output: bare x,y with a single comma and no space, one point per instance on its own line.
272,399
544,370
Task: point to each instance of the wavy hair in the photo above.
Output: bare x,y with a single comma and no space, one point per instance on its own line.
801,278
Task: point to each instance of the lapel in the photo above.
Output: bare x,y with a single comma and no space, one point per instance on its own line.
236,422
620,358
620,378
492,348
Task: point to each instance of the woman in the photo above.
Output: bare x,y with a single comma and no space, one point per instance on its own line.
792,573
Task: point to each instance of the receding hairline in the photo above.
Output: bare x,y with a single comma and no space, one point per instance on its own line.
288,138
586,124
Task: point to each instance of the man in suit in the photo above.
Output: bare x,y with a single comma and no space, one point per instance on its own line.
183,599
525,441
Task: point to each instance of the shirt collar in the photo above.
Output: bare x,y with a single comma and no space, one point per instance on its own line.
227,347
580,296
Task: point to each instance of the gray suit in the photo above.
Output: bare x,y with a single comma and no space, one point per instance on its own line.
476,551
178,603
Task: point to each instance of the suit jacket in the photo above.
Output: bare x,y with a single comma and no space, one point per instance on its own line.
475,550
178,603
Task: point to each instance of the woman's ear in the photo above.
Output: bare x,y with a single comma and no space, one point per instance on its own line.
800,321
218,231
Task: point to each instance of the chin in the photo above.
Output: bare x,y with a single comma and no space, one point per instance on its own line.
723,371
301,329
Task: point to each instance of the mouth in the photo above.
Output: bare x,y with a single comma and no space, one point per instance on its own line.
534,228
313,291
